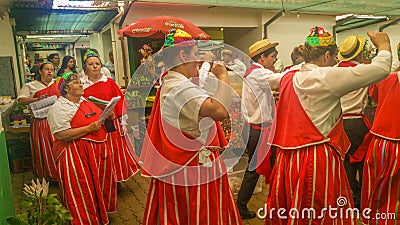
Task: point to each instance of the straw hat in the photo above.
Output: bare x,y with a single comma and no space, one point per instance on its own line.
398,49
227,51
351,47
260,47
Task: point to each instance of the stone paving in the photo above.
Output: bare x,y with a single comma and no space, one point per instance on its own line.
131,199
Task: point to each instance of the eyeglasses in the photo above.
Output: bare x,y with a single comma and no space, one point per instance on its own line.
87,115
92,113
75,82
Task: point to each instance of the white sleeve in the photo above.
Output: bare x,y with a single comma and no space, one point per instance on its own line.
260,75
25,92
105,71
203,73
343,80
58,118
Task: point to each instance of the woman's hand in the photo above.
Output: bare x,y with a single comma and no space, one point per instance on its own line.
123,129
380,40
42,97
219,70
111,116
76,133
95,126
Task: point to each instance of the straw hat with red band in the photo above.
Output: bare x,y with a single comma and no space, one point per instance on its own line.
260,47
351,47
227,52
398,49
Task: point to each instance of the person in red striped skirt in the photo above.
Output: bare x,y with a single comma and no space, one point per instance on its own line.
83,159
41,137
309,183
181,149
98,85
381,178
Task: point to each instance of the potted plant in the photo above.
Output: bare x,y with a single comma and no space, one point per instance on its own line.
42,207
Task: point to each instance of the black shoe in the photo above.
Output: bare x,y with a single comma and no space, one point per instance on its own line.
247,214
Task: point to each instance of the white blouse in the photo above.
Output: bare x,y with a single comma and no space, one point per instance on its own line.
29,89
180,102
320,88
61,114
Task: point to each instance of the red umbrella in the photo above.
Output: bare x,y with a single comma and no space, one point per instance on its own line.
159,26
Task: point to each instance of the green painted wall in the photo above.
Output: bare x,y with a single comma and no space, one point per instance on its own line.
6,194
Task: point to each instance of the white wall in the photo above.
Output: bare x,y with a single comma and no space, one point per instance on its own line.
7,44
242,27
392,31
290,31
202,16
107,45
394,35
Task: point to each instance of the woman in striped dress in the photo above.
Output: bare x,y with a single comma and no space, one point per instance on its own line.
83,158
99,86
381,177
189,183
41,137
309,183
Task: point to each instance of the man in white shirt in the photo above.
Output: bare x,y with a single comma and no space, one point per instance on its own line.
258,101
110,64
233,64
356,124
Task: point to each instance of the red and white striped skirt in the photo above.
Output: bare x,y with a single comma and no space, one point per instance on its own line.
41,144
307,185
124,158
381,182
88,181
209,202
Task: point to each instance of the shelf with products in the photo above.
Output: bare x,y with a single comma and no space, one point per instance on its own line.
17,134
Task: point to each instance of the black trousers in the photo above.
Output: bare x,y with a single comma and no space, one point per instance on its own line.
355,130
250,176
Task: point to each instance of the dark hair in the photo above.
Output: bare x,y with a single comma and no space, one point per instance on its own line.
265,53
298,54
91,56
64,65
91,52
312,53
168,55
51,56
41,65
72,77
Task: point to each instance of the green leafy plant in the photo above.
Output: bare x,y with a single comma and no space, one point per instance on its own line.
42,207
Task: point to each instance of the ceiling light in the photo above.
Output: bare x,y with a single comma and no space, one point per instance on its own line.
47,37
343,17
78,4
371,17
360,17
